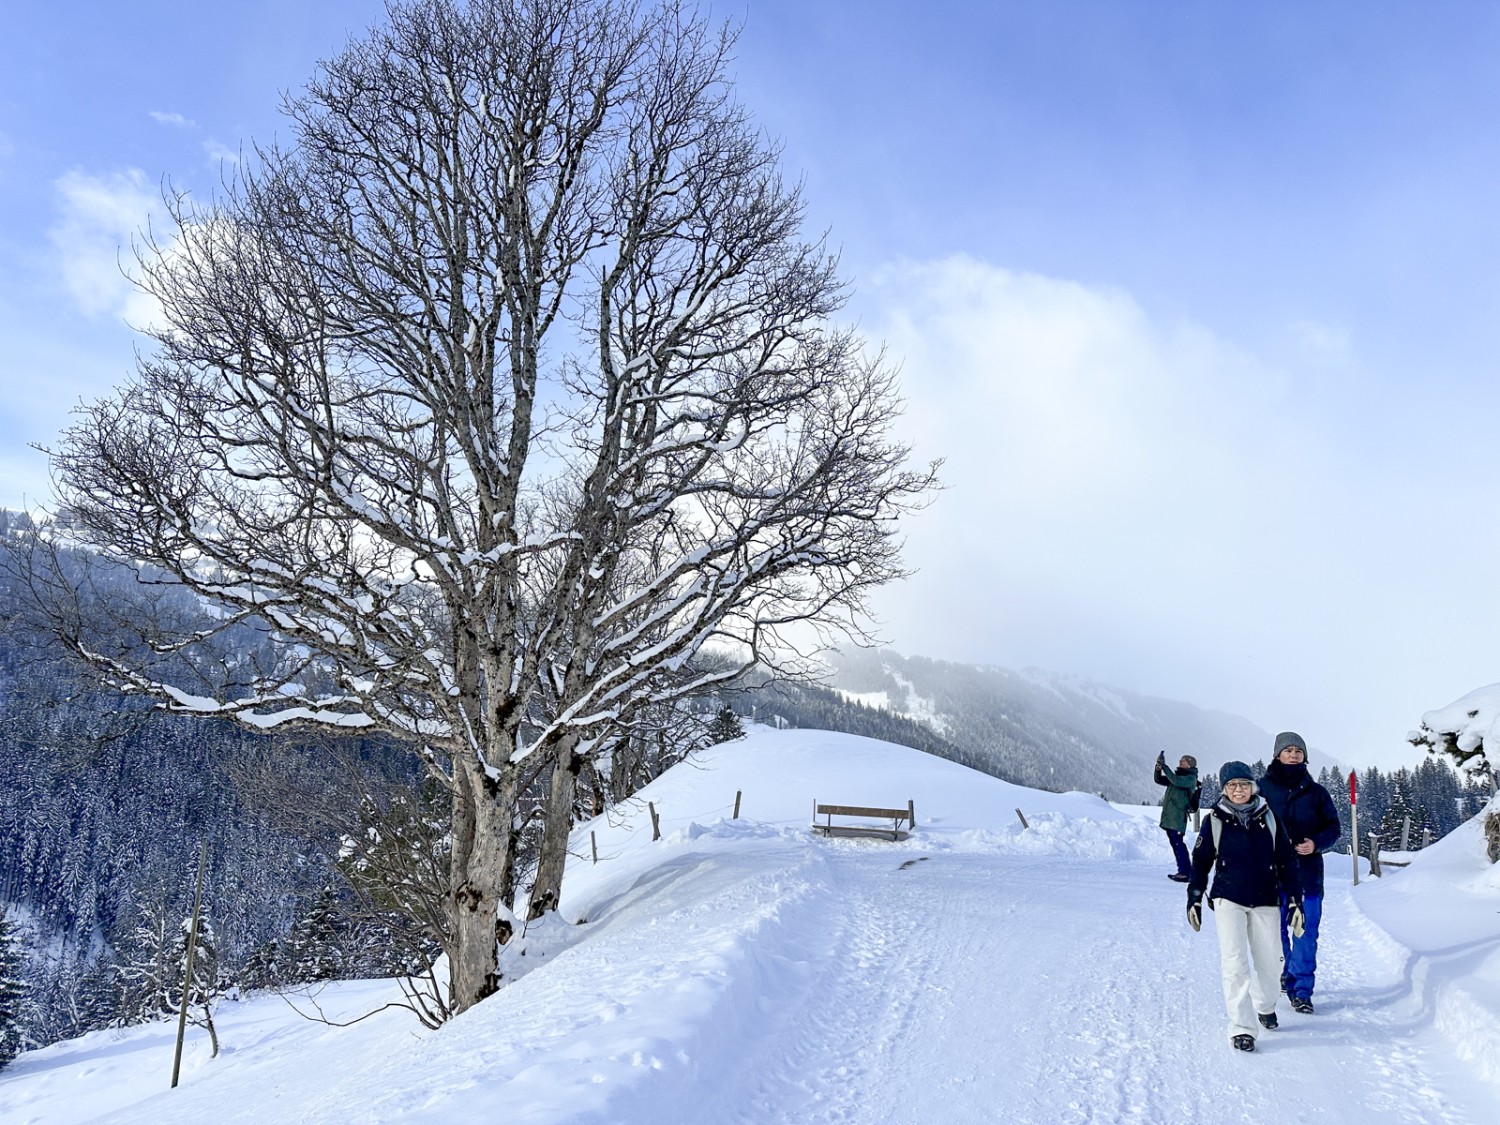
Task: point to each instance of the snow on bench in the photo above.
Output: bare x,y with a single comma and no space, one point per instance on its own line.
895,816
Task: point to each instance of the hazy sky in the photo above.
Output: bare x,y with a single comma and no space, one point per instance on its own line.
1200,301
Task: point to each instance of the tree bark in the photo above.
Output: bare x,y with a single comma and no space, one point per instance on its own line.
547,891
483,809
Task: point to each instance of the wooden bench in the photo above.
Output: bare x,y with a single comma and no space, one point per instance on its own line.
895,816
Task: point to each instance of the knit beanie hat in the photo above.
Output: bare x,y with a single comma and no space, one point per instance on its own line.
1235,771
1289,738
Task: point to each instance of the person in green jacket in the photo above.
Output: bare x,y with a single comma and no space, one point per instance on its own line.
1182,794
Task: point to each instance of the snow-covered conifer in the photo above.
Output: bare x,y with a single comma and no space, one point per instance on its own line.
315,949
12,991
726,727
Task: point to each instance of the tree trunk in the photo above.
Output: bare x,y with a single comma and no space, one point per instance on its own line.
213,1034
482,857
589,778
547,890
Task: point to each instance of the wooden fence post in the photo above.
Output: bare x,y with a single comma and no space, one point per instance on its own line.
187,975
736,805
1023,819
1374,855
911,813
594,846
655,822
1405,832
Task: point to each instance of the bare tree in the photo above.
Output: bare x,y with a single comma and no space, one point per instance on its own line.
492,397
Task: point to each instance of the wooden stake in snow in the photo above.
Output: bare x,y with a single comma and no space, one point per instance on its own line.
1023,819
911,812
594,846
1405,832
736,805
187,975
655,823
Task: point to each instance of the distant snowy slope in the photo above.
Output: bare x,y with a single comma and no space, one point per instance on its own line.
1048,729
745,972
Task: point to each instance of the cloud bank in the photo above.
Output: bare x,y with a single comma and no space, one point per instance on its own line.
1140,501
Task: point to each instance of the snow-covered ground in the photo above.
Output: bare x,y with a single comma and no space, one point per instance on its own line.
745,971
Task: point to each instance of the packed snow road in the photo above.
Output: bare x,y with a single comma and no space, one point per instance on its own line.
982,988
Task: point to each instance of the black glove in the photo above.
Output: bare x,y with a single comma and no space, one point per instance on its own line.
1195,910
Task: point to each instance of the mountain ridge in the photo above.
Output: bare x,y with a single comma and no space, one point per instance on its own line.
1049,730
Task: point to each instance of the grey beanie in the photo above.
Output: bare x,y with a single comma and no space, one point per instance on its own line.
1231,771
1289,738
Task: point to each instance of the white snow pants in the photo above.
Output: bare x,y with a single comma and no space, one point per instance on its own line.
1248,934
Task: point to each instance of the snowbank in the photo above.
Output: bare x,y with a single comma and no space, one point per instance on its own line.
780,775
1443,910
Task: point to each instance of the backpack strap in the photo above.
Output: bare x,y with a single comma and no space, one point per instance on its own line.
1216,829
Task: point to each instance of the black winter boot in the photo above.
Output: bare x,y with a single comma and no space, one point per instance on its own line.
1302,1004
1267,1021
1243,1042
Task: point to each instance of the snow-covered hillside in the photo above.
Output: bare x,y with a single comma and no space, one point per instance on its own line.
745,971
1047,729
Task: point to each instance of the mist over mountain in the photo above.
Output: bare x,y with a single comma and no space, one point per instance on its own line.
1045,729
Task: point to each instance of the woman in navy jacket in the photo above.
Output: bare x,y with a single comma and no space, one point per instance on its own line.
1306,810
1253,865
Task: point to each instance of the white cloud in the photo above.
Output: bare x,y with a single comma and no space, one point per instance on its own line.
98,218
220,153
174,119
1323,340
1067,408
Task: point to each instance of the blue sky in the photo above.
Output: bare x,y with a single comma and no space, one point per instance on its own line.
1200,301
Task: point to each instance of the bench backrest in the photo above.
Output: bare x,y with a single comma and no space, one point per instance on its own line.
858,810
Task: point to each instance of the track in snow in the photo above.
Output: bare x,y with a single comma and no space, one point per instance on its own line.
984,988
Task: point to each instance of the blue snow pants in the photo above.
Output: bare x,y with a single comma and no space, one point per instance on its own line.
1301,965
1179,849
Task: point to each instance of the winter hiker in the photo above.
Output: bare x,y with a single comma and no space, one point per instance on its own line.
1181,795
1306,810
1253,864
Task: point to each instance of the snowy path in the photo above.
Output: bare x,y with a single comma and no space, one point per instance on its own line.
981,988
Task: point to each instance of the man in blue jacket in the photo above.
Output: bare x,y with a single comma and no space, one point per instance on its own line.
1308,813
